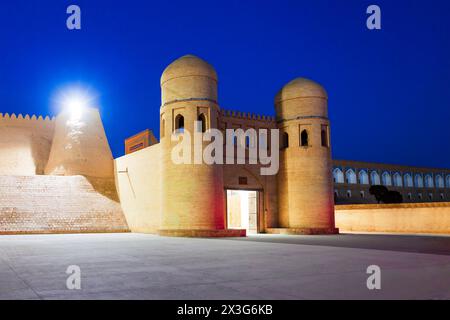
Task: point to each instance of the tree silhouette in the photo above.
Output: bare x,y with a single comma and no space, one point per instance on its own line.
378,192
392,197
382,194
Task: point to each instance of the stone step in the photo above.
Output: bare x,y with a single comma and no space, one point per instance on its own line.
59,204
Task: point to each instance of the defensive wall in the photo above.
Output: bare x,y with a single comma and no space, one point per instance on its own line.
409,218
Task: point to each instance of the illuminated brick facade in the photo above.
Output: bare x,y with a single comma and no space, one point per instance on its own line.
139,141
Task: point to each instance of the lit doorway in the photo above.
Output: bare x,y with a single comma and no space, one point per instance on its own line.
242,210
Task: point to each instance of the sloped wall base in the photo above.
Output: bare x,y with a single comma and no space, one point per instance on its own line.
302,231
59,204
202,233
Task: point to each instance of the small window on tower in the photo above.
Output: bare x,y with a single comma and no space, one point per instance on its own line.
202,123
304,139
179,124
324,136
285,141
243,180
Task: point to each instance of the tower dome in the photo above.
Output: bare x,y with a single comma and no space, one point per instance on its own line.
301,98
189,78
301,88
188,66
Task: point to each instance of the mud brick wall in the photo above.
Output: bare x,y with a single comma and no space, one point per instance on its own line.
410,218
59,204
25,144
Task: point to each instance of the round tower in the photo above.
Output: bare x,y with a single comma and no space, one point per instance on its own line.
192,192
305,186
80,146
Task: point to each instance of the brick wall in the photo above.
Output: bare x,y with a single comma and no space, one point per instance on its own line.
24,144
430,218
58,204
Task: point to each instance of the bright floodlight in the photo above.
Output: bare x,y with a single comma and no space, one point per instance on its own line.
75,100
76,104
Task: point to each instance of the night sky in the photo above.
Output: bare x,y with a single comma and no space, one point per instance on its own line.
389,90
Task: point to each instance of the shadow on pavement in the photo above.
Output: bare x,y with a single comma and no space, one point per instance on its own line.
403,243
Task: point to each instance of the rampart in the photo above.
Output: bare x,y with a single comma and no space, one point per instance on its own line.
25,143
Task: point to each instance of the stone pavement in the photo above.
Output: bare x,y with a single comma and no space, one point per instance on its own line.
140,266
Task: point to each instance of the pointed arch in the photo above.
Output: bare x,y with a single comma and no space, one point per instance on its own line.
202,123
179,123
338,175
304,138
375,178
439,181
386,179
363,177
398,181
429,181
408,180
350,176
418,181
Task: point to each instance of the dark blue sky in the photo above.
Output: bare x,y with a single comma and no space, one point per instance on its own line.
389,89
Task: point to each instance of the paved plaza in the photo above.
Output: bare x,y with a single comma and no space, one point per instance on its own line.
140,266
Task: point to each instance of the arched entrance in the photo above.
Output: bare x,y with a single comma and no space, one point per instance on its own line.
243,209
